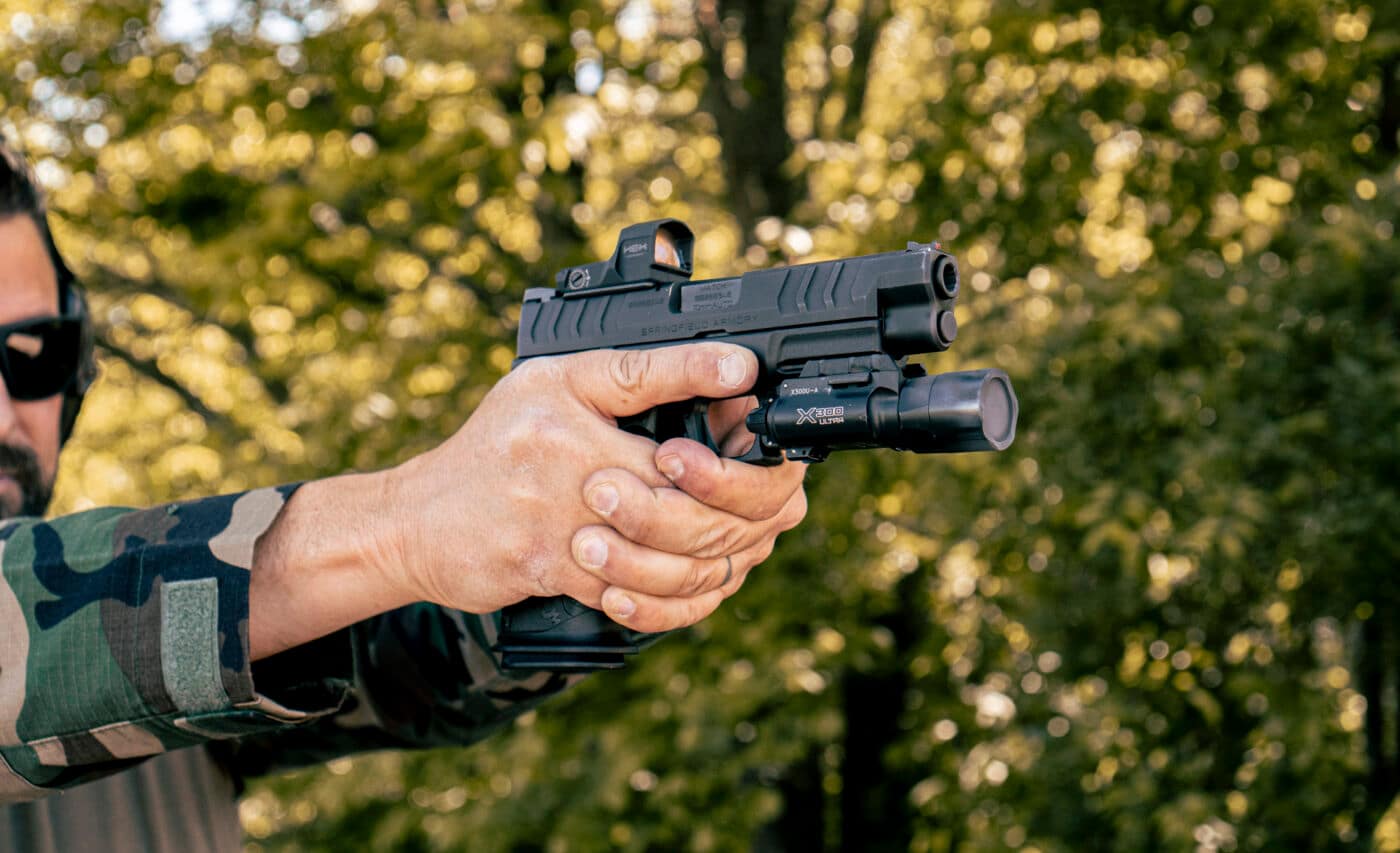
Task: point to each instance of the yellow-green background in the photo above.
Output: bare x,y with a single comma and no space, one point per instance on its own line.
1166,619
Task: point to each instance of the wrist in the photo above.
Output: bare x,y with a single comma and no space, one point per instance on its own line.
409,551
386,548
328,561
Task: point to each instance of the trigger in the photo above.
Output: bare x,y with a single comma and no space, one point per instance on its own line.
697,425
647,424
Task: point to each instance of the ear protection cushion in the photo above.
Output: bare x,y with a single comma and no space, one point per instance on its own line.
75,305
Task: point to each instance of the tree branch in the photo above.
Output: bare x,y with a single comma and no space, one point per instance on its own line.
872,22
149,369
240,332
108,281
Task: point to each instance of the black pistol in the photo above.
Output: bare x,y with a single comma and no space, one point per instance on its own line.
832,340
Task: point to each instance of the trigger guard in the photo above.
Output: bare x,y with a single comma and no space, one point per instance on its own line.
697,426
759,454
691,420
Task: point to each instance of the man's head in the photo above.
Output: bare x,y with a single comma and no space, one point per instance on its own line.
45,353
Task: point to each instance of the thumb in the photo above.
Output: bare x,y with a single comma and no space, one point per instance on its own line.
618,383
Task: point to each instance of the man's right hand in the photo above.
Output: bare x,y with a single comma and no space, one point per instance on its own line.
518,502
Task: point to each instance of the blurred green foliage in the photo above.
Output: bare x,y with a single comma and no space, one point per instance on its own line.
1164,620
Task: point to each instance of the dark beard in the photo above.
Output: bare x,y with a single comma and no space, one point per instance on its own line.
34,492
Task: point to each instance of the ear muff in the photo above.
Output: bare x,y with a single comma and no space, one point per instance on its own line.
75,305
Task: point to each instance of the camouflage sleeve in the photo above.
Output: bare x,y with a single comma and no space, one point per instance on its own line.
424,676
124,633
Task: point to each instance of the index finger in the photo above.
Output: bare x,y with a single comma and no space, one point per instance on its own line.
618,383
754,492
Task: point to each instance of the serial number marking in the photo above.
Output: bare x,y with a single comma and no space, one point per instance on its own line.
715,296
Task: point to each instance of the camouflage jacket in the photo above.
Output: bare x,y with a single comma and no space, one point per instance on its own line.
124,633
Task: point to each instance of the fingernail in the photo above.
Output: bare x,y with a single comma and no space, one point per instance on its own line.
593,552
619,604
603,498
732,370
671,466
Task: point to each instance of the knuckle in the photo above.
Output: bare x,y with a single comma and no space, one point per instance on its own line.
538,371
527,441
517,448
629,370
794,512
699,366
727,539
739,580
703,484
628,525
764,552
695,609
643,525
697,578
739,537
525,501
770,506
709,542
542,428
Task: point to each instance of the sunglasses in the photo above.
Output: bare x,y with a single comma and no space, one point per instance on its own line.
39,357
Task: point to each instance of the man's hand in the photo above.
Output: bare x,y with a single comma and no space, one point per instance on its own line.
541,494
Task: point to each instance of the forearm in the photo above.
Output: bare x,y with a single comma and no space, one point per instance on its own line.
423,675
124,633
323,564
